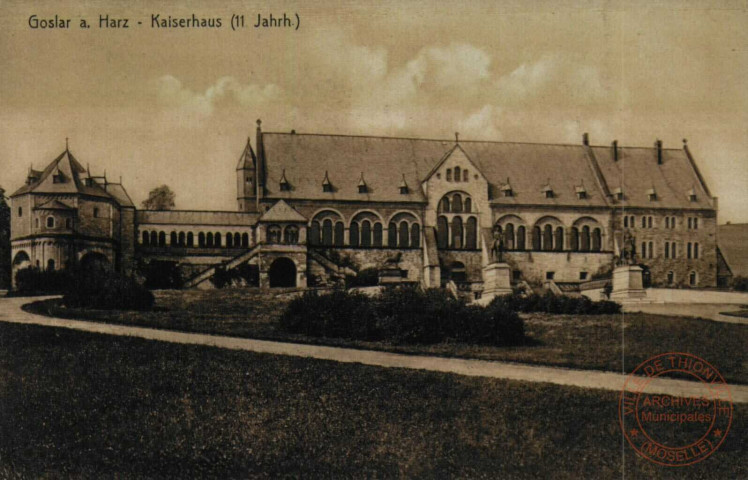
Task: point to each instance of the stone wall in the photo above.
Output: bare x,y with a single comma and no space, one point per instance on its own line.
567,266
705,234
410,259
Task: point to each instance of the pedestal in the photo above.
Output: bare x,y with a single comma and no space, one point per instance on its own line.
627,283
496,280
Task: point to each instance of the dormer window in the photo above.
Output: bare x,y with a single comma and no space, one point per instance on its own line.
403,187
362,188
326,185
581,192
652,194
89,182
284,185
692,195
506,189
548,191
618,194
58,177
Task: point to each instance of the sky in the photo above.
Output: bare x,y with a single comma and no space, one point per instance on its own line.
175,106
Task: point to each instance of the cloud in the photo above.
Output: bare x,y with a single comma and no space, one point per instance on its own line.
482,124
171,92
553,77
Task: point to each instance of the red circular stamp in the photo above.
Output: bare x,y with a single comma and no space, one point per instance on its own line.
675,421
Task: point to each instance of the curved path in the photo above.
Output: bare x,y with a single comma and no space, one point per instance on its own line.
10,311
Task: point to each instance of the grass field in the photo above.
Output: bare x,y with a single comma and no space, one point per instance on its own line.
587,342
79,405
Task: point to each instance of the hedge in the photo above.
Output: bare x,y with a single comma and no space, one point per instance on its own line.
549,303
106,290
404,315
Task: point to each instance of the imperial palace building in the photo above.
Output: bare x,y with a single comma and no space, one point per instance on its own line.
314,208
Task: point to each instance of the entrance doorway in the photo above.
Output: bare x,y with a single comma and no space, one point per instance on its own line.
282,273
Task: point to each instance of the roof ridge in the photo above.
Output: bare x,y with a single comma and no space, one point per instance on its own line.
451,140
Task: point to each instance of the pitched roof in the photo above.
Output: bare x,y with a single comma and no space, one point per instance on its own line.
528,167
731,239
386,162
119,193
53,205
282,212
195,217
73,176
638,173
247,158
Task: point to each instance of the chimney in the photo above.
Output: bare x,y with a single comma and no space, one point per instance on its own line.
614,145
585,139
658,146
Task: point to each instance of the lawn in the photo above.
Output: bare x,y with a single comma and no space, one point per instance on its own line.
81,405
586,342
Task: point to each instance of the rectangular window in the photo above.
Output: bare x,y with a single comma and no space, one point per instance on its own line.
695,250
695,223
516,274
689,223
550,275
667,250
672,250
20,211
583,275
688,250
644,222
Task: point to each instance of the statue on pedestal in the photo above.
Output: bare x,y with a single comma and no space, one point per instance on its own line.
628,250
497,248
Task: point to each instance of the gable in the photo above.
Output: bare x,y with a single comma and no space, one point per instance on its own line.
282,212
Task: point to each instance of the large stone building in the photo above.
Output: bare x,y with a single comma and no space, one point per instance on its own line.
313,208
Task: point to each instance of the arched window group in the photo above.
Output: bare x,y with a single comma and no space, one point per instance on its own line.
154,238
404,231
366,230
326,229
550,235
288,234
457,233
456,203
460,175
455,227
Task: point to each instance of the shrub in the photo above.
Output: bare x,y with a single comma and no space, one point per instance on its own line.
33,281
740,283
405,315
338,314
107,291
161,274
559,304
368,277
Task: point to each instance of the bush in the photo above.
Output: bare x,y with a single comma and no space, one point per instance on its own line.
740,284
338,314
559,304
106,290
33,281
368,277
160,274
405,315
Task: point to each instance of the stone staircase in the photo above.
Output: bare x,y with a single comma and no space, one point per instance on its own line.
227,265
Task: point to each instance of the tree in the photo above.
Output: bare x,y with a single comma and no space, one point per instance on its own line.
160,198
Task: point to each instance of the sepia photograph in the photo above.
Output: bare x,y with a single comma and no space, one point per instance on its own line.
374,239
